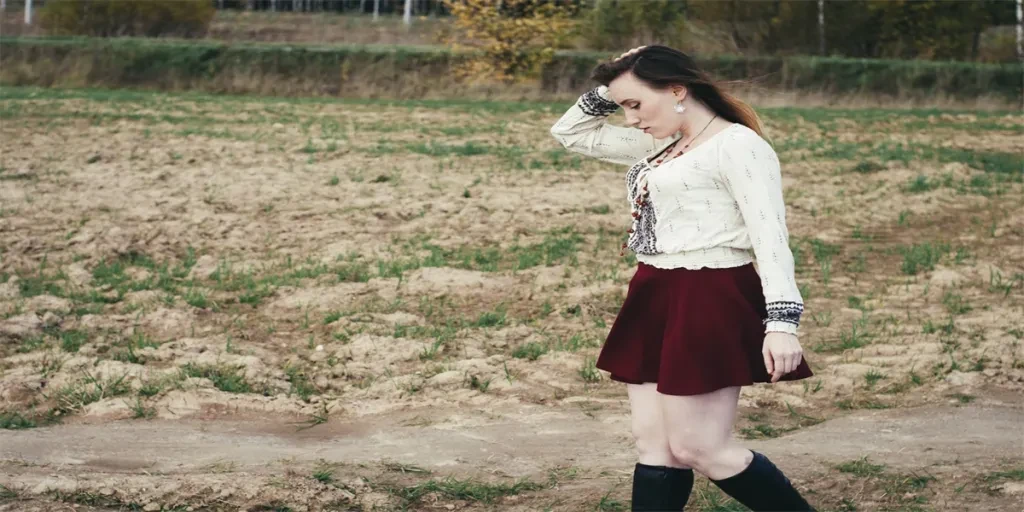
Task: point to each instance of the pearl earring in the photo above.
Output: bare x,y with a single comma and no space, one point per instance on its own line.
679,108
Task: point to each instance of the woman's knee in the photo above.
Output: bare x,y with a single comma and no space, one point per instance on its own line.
651,441
693,454
708,457
648,432
696,453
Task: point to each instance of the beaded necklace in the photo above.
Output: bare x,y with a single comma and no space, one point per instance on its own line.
657,163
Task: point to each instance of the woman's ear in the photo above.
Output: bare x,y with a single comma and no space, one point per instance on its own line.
679,92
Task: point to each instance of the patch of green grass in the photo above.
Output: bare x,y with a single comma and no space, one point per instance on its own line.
575,343
856,337
588,372
152,387
32,343
530,351
849,404
904,218
495,318
920,184
196,298
140,410
861,467
609,504
467,490
324,475
439,149
554,249
87,390
72,340
823,251
1008,164
299,382
224,378
137,341
708,498
955,303
1012,474
15,421
872,377
867,167
963,398
92,499
922,257
763,431
479,384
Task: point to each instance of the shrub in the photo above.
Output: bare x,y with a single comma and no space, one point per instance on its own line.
114,18
621,25
515,41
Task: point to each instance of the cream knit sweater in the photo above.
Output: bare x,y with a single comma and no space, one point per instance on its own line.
717,206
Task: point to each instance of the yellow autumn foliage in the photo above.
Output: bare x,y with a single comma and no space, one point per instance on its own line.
513,39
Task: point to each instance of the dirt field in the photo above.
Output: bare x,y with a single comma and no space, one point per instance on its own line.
233,303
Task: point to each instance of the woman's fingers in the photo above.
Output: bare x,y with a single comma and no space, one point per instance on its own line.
769,363
780,367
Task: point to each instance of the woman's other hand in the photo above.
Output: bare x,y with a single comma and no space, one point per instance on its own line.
782,354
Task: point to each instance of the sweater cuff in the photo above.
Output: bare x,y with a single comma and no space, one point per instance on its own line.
783,316
777,326
595,102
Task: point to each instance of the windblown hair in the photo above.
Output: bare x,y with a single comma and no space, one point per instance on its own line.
662,67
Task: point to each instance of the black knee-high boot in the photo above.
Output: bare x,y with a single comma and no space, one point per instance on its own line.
660,488
763,488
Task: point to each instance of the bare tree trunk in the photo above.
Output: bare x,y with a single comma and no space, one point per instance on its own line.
821,27
1020,30
28,12
736,37
376,10
407,15
362,6
3,5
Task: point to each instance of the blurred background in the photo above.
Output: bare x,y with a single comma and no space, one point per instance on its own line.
923,49
285,255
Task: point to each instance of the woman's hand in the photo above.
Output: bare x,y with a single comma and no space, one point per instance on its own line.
631,52
782,354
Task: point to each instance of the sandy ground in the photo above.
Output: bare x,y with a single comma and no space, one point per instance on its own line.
225,303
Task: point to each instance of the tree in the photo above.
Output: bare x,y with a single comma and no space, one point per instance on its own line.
515,40
821,27
1020,31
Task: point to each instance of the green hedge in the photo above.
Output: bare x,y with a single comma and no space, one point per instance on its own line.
417,72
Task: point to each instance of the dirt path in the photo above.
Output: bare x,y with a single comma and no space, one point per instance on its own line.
521,442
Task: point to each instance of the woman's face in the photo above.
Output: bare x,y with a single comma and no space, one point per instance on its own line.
651,110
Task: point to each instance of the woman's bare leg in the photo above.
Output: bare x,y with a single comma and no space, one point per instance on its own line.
700,436
649,426
659,483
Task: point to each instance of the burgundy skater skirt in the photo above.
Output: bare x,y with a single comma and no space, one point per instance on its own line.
691,331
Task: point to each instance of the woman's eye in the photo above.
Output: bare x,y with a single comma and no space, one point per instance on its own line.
635,106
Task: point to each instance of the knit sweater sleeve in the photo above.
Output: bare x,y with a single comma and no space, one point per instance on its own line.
584,129
751,172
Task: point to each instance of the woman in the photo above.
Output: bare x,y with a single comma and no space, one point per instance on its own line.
700,320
